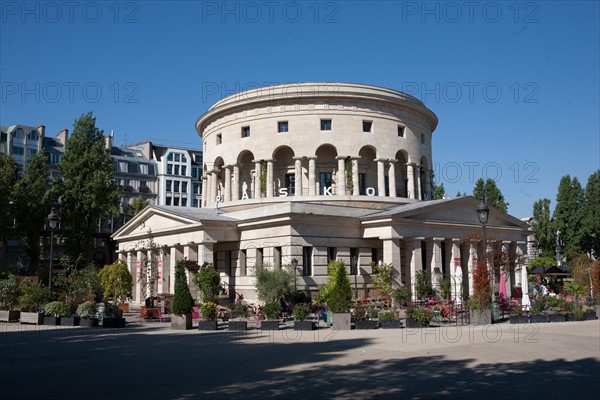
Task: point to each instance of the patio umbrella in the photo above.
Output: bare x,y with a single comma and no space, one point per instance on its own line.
502,285
525,302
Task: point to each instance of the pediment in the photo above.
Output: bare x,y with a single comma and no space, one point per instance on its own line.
154,220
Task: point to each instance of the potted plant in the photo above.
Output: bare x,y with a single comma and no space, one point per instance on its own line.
240,312
271,311
557,309
116,281
10,290
33,297
52,313
208,312
362,318
389,320
518,317
113,317
87,314
538,312
300,313
418,317
480,311
208,282
337,294
182,300
68,316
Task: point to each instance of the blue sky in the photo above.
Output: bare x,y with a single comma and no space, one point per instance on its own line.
515,85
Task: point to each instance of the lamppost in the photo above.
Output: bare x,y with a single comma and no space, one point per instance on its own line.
558,248
483,212
52,224
295,266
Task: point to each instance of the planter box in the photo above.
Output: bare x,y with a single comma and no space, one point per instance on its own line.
113,322
10,316
124,307
557,318
589,316
391,324
481,317
519,319
341,321
238,325
413,323
181,322
538,319
269,325
368,324
69,321
89,322
207,325
53,321
32,318
304,325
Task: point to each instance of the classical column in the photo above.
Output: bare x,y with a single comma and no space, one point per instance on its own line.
380,177
131,266
257,173
269,178
341,175
213,187
392,177
235,188
410,176
391,255
174,256
312,176
417,170
205,253
413,246
227,195
472,264
456,274
297,176
427,184
355,186
162,278
204,187
139,296
509,277
436,263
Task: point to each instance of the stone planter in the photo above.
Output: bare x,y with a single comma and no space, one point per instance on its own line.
238,325
368,324
481,317
53,321
519,319
181,322
413,323
32,318
269,325
207,325
69,321
557,318
304,325
113,322
590,316
341,321
538,319
89,322
391,324
10,316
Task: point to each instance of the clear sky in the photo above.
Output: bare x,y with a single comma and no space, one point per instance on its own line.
515,85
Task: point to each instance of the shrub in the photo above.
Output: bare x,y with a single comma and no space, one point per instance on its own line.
423,285
182,299
445,288
112,311
10,290
116,281
240,310
87,309
209,310
337,292
78,286
208,283
54,309
578,312
389,316
271,310
301,311
33,296
382,278
273,284
401,295
482,291
573,288
360,313
422,315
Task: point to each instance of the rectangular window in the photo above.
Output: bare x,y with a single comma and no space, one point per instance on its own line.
184,170
290,184
219,138
194,172
176,186
400,131
367,126
184,202
374,255
168,201
245,131
176,201
169,185
307,260
277,257
282,126
259,257
243,264
195,188
325,124
176,170
170,157
331,254
170,169
353,261
362,184
183,187
195,203
325,182
177,157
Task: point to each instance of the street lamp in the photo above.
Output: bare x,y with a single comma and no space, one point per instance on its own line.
558,248
52,224
295,266
483,212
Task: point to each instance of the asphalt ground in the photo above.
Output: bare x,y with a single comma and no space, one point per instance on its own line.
150,361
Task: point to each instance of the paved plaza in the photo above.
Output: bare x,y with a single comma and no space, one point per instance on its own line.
149,361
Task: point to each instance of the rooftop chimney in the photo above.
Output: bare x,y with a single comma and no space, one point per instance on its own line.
63,136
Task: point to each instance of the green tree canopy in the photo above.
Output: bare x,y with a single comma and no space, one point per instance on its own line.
88,189
274,284
9,175
337,292
437,192
137,205
182,299
542,227
569,213
116,281
591,221
490,193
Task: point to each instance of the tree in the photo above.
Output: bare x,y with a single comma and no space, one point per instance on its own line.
381,279
543,261
32,194
490,193
337,292
208,282
542,227
591,220
568,213
274,284
437,192
182,299
9,175
137,205
116,281
88,189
